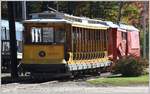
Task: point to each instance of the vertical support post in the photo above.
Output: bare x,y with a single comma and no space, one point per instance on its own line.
83,43
72,38
91,43
13,44
107,31
79,42
100,43
81,30
94,43
73,41
102,32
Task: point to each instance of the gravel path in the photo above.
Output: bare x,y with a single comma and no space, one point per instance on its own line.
69,87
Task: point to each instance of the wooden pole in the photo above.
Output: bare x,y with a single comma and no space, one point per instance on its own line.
13,43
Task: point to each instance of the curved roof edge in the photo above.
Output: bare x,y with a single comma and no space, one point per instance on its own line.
121,27
76,24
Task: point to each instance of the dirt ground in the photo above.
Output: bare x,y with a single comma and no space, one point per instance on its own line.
68,87
55,87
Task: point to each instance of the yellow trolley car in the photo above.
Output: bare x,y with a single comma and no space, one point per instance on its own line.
61,43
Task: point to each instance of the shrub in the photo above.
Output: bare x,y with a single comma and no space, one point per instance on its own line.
144,62
129,66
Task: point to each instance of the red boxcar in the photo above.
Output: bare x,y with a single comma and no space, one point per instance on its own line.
123,40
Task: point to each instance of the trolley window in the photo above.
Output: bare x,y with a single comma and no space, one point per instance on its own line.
42,35
59,36
45,35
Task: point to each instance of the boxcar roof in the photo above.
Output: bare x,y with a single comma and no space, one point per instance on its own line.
128,27
121,27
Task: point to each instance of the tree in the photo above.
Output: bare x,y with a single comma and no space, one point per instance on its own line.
4,9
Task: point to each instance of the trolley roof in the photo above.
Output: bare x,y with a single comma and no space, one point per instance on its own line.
65,18
84,22
46,21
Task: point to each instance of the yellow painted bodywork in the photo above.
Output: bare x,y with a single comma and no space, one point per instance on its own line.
54,54
100,59
89,26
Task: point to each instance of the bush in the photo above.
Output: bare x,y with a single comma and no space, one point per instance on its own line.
129,66
144,62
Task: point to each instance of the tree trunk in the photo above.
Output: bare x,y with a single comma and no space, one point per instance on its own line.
120,9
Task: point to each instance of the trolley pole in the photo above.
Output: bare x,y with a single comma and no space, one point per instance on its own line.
13,46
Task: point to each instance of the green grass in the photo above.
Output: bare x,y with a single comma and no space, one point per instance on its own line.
121,81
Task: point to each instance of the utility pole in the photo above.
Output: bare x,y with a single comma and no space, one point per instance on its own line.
144,30
24,10
13,44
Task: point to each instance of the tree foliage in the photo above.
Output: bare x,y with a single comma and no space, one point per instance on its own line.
105,10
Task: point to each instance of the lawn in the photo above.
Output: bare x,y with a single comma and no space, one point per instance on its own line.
121,81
